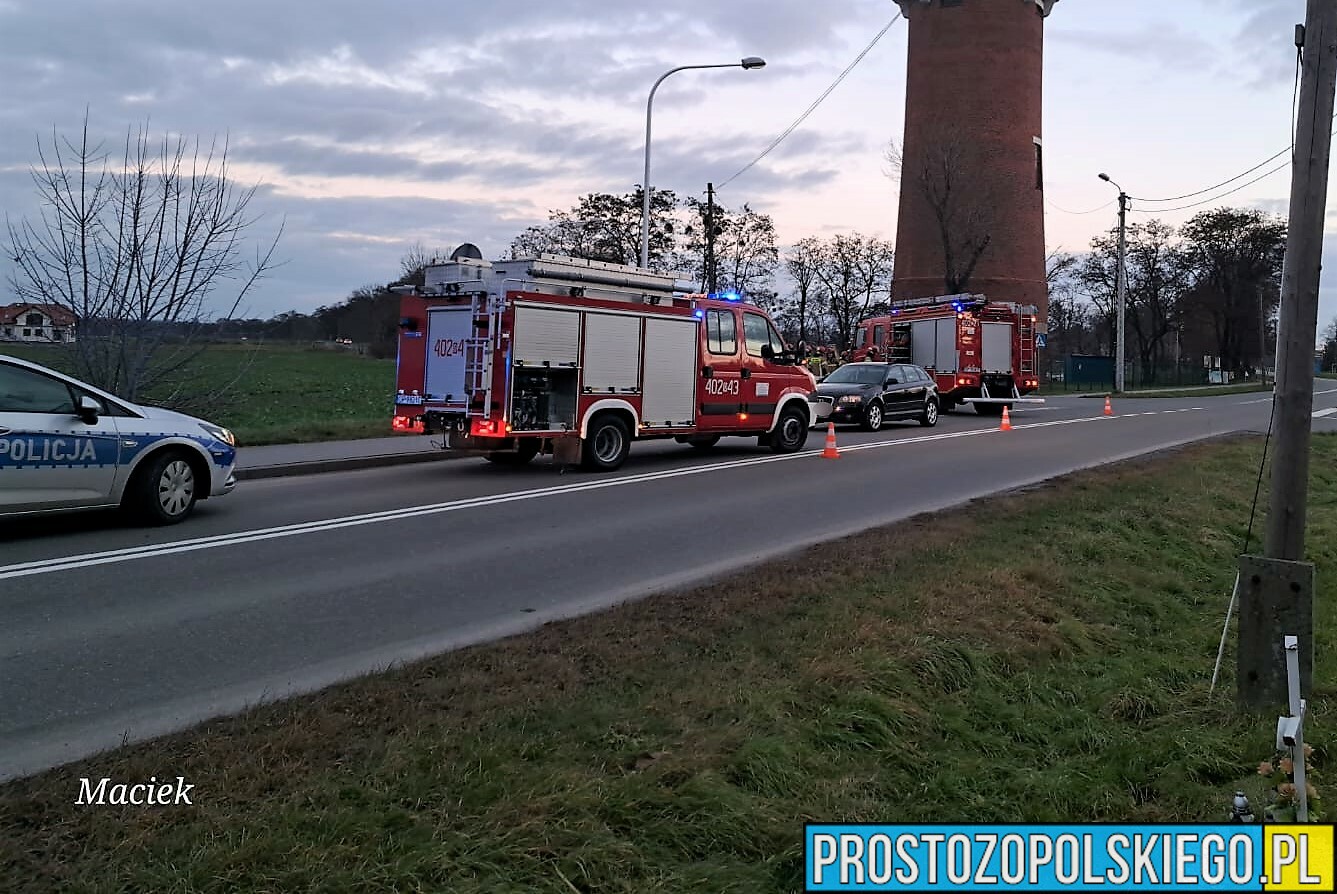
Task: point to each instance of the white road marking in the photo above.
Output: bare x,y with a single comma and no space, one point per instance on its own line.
88,560
1319,414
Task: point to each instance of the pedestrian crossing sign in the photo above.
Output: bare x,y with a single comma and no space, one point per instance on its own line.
1040,340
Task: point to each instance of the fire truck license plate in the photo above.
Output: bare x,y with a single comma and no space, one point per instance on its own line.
408,400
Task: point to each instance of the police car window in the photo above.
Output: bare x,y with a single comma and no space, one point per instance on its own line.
25,391
721,332
756,333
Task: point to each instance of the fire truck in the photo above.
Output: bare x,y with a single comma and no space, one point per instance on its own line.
578,358
980,352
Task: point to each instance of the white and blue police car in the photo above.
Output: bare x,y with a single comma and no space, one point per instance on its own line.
65,445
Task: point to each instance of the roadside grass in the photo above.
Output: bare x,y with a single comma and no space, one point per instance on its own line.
277,394
1211,391
1039,656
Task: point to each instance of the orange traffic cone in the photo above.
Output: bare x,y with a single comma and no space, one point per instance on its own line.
1109,411
830,452
1007,421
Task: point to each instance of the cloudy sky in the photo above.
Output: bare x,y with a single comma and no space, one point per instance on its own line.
376,125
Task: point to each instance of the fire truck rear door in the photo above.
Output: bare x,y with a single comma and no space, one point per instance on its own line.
448,329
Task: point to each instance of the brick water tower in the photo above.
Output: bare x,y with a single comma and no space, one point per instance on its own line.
971,162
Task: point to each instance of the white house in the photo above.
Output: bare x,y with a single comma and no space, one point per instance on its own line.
43,323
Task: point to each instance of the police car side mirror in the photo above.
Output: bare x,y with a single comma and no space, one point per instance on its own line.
89,409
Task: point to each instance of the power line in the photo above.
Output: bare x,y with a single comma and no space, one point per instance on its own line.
1277,169
1231,192
812,108
1218,185
1262,164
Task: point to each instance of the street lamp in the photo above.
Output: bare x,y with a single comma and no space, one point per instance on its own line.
748,64
1121,280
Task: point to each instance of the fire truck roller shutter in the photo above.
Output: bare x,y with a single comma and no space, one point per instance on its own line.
946,360
924,342
612,353
670,373
997,347
546,336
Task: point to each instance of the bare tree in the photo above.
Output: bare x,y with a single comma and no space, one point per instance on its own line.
960,199
851,270
746,256
1070,329
801,261
1157,279
139,249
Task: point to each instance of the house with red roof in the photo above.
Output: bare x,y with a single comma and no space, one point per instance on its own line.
41,323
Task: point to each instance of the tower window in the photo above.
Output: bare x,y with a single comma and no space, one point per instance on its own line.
1039,165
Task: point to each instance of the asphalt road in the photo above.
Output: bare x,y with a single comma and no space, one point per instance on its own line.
110,632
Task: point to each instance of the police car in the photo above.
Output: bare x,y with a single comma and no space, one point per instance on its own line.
67,445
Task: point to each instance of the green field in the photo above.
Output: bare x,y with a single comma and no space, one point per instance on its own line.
1032,657
279,394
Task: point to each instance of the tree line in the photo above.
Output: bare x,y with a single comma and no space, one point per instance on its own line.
1208,289
140,243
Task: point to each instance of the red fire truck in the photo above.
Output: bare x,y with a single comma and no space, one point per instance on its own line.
980,352
577,358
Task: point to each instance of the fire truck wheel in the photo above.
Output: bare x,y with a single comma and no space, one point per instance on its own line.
791,432
607,444
929,417
527,449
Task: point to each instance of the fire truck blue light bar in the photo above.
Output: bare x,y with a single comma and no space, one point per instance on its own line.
1095,857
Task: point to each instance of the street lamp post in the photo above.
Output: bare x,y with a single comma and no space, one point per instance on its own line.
1121,284
749,63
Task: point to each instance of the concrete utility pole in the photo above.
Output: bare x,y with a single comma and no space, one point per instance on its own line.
1121,289
710,240
1276,598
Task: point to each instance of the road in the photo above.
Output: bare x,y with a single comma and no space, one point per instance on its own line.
109,631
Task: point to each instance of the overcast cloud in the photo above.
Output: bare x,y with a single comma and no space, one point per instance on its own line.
374,126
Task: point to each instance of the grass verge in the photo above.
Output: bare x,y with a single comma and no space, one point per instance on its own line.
1037,656
1210,391
278,394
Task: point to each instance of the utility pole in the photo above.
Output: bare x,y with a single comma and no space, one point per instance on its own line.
1276,597
1121,278
1120,287
711,275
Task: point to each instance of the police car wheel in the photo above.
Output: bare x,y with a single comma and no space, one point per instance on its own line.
165,491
